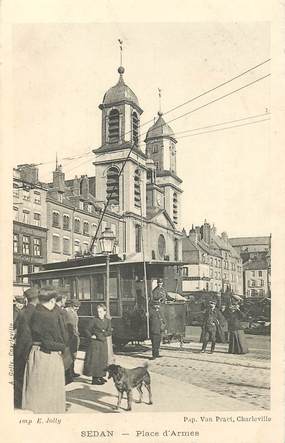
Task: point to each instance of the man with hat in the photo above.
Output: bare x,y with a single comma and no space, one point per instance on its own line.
159,294
72,307
209,326
23,342
43,387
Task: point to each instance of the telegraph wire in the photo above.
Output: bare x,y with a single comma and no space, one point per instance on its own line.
223,129
222,123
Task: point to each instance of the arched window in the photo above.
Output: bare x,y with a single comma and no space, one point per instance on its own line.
137,189
113,186
135,127
175,208
114,126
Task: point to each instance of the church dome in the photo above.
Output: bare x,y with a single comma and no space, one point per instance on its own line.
120,92
159,129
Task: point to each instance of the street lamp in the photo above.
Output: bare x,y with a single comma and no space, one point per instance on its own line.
107,241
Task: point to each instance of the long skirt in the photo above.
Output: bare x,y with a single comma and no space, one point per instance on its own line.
237,342
96,359
44,383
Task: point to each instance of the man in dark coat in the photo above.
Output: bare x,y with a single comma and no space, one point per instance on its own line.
156,326
66,335
210,326
72,306
18,305
23,343
159,294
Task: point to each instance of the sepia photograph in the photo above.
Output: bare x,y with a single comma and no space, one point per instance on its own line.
141,218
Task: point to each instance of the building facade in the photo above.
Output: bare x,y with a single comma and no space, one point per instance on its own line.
256,278
212,263
251,247
29,225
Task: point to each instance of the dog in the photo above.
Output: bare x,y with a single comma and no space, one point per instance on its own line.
127,379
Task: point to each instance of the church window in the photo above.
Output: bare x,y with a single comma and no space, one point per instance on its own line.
161,245
114,126
138,233
137,189
155,149
175,208
135,127
113,186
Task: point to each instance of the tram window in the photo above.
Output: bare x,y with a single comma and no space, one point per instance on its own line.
127,292
85,310
56,282
98,287
84,289
114,309
113,287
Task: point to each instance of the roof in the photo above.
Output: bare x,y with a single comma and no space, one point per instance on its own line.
159,129
255,265
246,241
120,92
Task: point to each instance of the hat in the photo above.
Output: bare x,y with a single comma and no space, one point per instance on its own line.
46,294
212,302
59,297
159,280
20,299
31,293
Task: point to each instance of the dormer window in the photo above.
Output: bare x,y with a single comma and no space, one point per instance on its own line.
135,127
114,126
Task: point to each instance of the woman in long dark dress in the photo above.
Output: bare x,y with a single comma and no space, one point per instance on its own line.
96,358
237,340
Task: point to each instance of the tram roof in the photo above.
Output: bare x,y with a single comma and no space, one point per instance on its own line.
63,266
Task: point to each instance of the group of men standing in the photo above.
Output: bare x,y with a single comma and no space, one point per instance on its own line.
27,310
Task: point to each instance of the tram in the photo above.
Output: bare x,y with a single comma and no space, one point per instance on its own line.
85,279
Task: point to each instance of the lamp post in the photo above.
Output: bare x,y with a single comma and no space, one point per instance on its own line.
107,241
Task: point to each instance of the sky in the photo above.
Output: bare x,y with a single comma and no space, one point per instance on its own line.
61,72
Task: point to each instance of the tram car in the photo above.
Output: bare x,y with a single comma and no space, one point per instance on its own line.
85,279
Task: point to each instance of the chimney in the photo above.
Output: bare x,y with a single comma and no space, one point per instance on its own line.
84,187
29,173
206,232
224,236
76,186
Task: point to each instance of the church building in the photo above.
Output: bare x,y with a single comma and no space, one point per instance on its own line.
148,191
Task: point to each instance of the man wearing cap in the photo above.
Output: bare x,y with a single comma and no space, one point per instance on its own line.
72,307
23,343
19,303
159,294
209,326
43,387
156,326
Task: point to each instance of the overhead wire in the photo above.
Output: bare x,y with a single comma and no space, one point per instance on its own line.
133,145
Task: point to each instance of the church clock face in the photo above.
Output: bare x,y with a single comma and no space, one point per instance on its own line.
161,245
